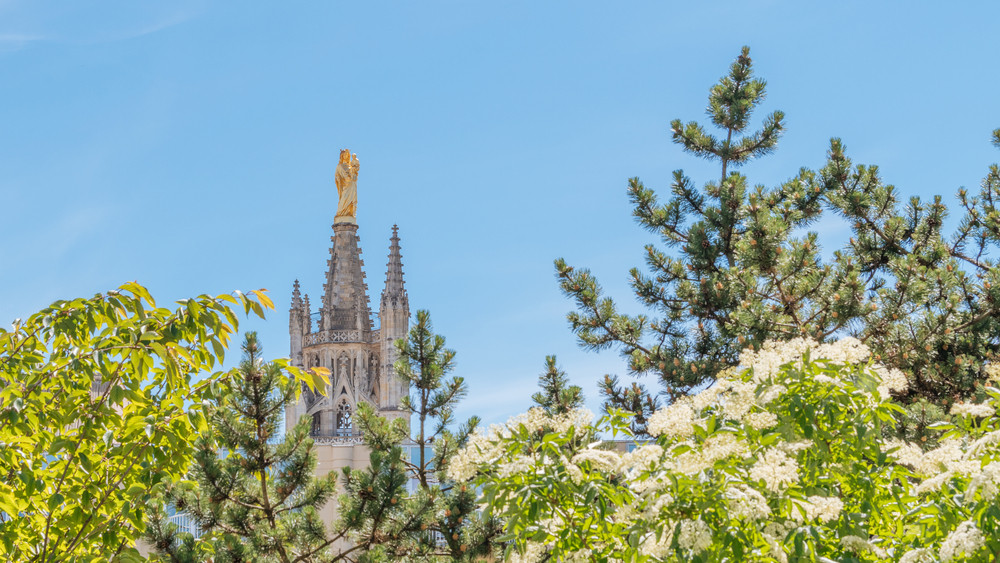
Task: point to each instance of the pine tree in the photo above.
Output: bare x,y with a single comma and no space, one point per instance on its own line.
556,395
740,274
253,494
450,525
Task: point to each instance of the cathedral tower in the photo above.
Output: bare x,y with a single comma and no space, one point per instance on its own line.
346,340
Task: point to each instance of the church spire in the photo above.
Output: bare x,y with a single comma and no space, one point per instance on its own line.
394,314
394,291
345,296
296,295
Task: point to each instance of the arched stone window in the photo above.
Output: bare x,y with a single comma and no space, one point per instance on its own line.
315,429
345,423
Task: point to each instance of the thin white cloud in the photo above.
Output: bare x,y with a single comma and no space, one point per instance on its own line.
16,37
148,29
17,41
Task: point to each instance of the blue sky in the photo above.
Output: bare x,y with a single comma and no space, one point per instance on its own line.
191,145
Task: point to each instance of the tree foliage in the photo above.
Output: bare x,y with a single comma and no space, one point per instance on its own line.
252,492
556,395
442,517
744,268
781,461
100,403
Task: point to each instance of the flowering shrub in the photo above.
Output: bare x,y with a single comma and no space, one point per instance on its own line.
782,459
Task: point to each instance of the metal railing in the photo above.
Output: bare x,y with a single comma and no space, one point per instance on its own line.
336,433
185,523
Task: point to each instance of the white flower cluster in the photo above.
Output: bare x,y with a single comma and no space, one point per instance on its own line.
641,458
761,420
699,458
860,545
519,464
533,553
904,452
722,445
919,555
965,540
893,380
746,503
694,536
767,361
776,469
659,548
602,460
987,480
487,448
824,509
972,409
675,421
480,449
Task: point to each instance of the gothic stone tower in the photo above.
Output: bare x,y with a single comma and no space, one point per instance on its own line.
358,355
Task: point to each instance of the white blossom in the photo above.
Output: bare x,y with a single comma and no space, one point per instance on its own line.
700,457
708,397
776,550
695,535
905,452
534,420
653,483
580,556
819,508
920,555
761,420
776,469
653,508
988,480
936,460
767,361
847,350
674,421
651,546
770,394
972,409
737,400
964,540
533,553
746,503
641,458
892,380
478,450
603,460
979,447
826,380
519,464
860,545
576,418
934,483
791,448
574,471
722,445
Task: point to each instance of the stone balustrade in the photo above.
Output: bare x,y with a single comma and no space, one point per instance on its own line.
325,336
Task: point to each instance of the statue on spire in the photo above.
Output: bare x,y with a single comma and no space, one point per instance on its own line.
347,187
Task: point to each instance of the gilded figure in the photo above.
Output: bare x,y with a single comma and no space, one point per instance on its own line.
346,178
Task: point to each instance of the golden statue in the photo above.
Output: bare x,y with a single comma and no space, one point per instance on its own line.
347,187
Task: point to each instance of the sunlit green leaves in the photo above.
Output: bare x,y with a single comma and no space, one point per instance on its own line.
98,403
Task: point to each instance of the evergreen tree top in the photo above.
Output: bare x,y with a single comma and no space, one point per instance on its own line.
743,267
